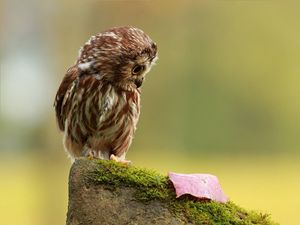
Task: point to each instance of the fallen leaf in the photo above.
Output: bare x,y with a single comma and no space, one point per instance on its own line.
201,186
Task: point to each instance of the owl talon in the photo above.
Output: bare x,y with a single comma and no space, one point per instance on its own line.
89,153
116,159
90,157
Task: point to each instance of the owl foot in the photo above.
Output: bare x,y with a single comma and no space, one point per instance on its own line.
89,153
90,156
116,159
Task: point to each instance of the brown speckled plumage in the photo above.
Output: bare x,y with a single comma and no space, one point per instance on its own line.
98,102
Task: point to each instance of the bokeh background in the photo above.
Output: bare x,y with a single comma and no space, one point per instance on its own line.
223,98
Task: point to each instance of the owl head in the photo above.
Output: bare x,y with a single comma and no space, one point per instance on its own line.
121,56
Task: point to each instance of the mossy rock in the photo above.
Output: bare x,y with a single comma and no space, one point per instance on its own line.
106,193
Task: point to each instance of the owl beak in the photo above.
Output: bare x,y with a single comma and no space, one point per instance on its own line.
138,82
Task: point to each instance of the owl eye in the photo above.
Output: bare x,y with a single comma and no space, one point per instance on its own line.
137,69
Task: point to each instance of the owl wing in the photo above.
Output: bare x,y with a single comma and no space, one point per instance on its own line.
65,85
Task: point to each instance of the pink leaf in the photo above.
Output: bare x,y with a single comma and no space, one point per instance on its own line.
201,186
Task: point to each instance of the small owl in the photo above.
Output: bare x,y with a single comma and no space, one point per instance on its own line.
98,102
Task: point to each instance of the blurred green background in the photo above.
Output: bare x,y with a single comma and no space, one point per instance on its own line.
223,98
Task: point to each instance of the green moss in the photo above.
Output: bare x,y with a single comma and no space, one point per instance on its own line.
150,185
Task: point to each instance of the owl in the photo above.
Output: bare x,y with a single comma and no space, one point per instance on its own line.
98,102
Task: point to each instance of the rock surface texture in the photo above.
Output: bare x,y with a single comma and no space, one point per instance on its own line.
91,204
107,193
